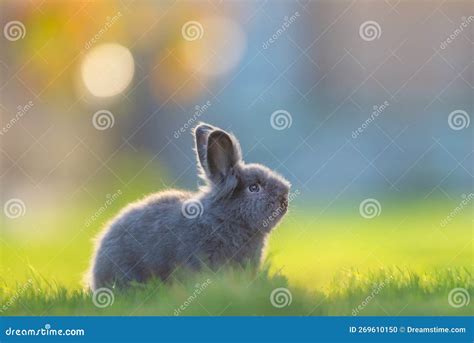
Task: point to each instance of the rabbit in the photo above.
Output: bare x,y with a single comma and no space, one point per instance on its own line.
226,222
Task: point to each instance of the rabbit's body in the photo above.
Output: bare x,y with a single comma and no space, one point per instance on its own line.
215,226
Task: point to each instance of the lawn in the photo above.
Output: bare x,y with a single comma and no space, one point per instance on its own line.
400,263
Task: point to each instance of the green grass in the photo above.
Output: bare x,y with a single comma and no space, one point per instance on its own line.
238,292
330,262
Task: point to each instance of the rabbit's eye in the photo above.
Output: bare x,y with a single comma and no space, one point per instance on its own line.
254,188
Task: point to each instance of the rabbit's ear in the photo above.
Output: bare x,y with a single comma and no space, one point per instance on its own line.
223,153
201,133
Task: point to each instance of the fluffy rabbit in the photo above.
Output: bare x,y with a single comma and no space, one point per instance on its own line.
227,221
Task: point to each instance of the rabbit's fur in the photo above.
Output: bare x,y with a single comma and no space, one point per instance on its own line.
222,223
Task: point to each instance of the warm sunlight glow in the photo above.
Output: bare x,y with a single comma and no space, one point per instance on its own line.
107,70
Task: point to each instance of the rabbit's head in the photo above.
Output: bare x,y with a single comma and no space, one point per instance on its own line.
252,195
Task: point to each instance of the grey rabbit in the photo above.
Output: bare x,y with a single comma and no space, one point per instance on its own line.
226,221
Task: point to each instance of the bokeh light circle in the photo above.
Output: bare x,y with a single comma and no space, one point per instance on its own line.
107,70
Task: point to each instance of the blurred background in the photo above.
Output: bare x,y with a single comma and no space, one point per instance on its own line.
355,102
